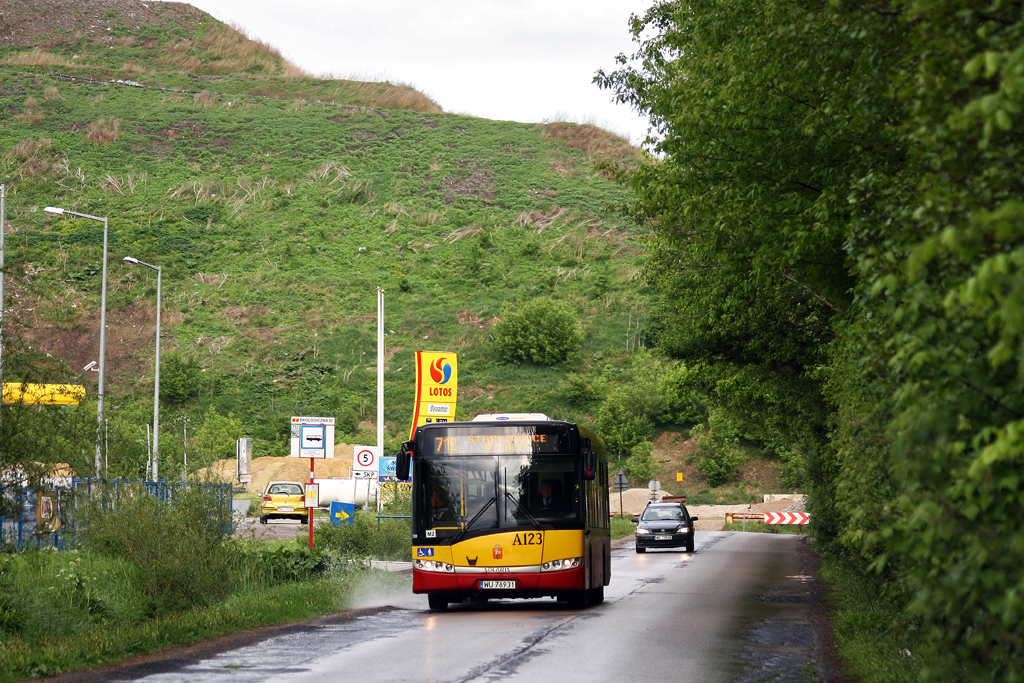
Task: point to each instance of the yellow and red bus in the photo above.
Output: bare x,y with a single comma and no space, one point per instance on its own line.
508,506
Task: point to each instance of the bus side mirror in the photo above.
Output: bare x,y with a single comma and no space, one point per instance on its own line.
402,461
589,465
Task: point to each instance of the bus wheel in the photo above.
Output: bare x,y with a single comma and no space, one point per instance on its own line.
596,595
437,603
577,599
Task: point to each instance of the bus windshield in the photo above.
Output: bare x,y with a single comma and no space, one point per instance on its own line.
495,478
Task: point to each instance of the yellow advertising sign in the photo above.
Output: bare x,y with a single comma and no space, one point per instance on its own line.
437,380
43,394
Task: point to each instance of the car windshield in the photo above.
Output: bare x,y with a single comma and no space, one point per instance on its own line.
668,514
286,489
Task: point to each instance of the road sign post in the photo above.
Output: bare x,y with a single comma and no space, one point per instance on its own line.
312,437
620,484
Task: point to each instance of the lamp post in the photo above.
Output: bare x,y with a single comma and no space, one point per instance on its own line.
156,371
54,211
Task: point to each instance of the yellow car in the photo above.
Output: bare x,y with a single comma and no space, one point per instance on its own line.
283,499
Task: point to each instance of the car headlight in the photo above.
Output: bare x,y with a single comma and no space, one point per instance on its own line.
683,529
559,565
641,532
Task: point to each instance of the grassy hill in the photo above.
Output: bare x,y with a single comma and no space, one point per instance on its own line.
275,219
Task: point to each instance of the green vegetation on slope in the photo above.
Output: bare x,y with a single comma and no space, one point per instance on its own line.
275,222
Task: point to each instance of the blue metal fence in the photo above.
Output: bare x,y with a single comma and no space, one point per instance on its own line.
19,528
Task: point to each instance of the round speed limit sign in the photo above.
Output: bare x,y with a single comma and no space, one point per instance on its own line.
364,458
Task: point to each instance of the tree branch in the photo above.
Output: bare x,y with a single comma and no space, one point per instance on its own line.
809,290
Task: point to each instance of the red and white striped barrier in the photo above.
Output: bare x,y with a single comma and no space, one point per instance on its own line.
786,518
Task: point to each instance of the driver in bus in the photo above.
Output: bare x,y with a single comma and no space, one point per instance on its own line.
441,509
548,500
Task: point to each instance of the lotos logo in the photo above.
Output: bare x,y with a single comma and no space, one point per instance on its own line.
440,373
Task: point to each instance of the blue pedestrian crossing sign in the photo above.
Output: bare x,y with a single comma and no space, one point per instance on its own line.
342,513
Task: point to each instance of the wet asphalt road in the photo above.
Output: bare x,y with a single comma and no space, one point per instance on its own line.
734,610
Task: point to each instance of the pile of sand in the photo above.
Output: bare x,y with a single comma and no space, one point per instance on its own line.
272,468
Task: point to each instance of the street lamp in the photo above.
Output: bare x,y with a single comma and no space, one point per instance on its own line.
54,211
156,371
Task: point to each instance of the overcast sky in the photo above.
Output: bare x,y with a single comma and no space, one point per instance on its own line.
518,60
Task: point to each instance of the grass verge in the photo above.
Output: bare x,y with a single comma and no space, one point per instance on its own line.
871,628
107,643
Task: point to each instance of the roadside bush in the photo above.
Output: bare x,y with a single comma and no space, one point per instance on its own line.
579,391
260,565
623,421
363,539
641,466
180,377
178,546
720,455
542,331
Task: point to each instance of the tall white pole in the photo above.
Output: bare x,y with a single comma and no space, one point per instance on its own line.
380,384
56,211
156,387
156,369
103,352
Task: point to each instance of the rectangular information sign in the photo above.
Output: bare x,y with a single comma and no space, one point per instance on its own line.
312,437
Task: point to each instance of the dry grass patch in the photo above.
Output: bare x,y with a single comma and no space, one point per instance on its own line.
203,100
538,220
33,118
37,57
593,141
103,131
30,152
51,94
328,170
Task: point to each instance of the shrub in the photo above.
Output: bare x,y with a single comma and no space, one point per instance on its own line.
391,540
346,421
720,455
542,331
579,391
623,421
641,466
179,546
180,377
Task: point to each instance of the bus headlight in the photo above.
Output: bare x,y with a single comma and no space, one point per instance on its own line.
433,566
560,565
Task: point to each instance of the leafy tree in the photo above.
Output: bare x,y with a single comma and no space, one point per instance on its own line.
542,331
622,420
215,439
180,376
720,455
838,222
641,466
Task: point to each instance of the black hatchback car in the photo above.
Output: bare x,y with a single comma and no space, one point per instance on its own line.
664,525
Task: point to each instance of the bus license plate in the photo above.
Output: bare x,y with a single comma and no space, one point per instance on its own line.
284,508
663,537
498,585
